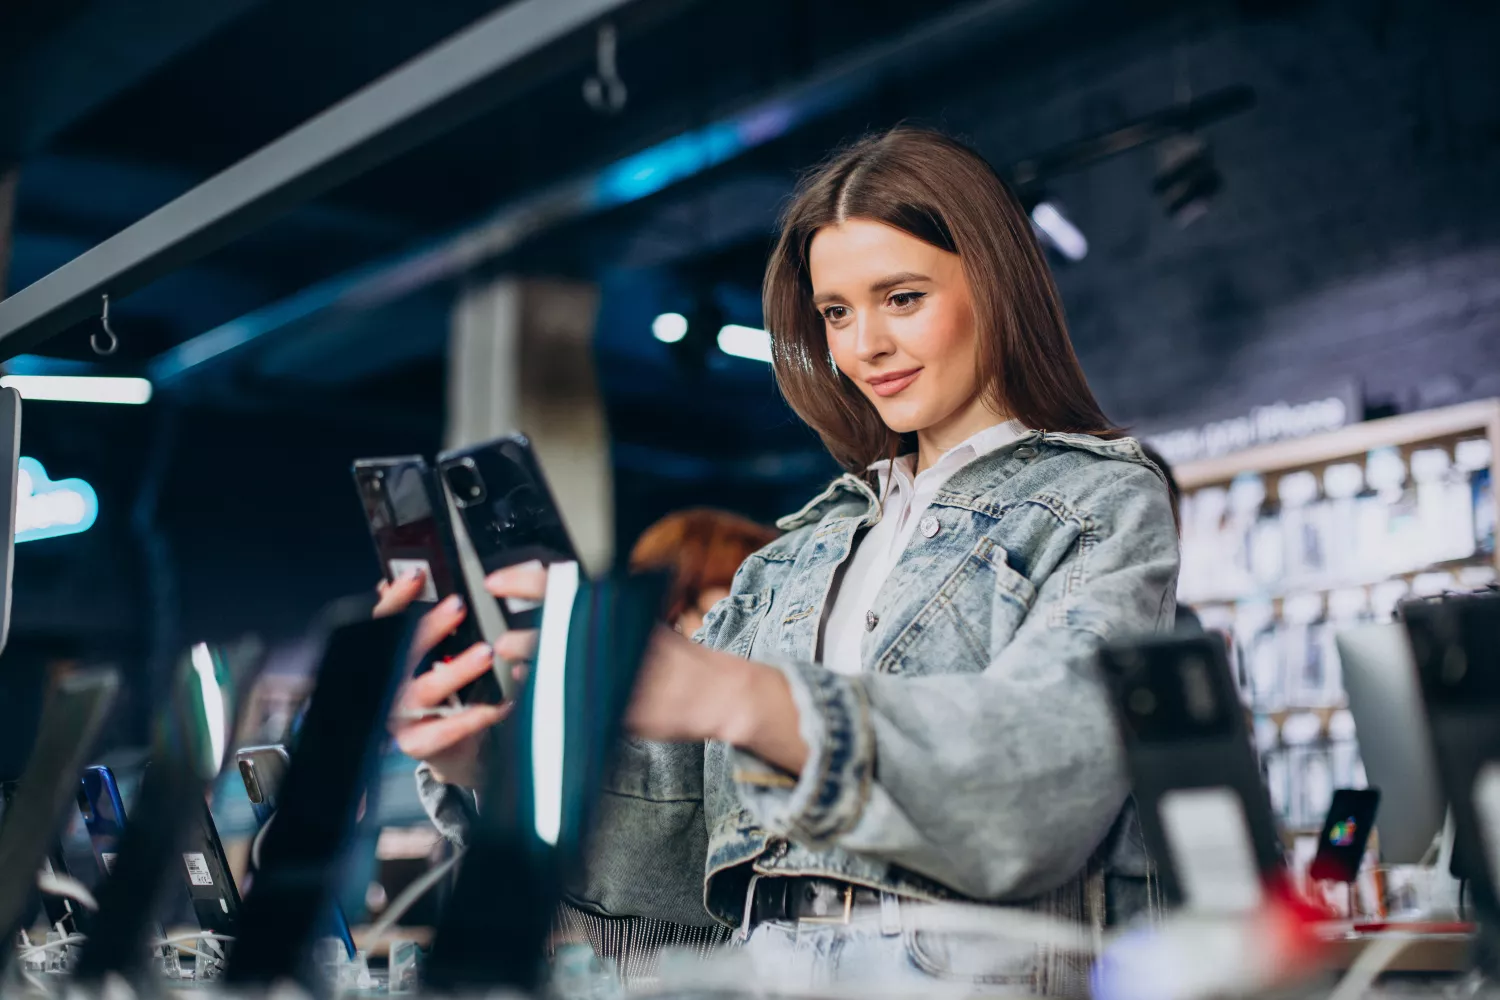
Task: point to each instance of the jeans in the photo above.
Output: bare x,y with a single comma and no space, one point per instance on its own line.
882,951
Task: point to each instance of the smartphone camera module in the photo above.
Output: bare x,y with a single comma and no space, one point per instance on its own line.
464,483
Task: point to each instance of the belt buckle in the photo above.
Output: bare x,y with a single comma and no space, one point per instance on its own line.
846,917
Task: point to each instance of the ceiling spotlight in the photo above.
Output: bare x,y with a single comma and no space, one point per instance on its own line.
1186,178
1057,231
669,328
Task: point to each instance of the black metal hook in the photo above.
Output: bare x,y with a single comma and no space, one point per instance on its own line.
605,91
113,341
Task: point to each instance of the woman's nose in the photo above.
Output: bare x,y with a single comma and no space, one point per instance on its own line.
871,338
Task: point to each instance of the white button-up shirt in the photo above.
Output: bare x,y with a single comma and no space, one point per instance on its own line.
906,499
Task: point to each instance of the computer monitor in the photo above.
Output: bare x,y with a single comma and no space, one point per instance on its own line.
1395,744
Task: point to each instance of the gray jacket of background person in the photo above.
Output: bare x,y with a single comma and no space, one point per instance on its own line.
975,758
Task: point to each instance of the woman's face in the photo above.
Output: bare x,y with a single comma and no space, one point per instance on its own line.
900,325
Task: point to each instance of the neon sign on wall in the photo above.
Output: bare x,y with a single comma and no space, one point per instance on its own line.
47,509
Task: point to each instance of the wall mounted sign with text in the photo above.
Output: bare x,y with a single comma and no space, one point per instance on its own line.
47,509
1279,421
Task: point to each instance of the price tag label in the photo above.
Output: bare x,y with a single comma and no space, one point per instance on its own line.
197,868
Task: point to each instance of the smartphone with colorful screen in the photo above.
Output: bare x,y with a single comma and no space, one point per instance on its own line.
1346,830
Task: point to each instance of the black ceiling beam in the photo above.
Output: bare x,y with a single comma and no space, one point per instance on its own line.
445,86
58,71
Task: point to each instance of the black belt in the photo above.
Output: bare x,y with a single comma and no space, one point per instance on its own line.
806,898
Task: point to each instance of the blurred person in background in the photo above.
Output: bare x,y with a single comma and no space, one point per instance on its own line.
702,549
898,705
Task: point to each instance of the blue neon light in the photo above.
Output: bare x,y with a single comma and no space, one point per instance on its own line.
47,509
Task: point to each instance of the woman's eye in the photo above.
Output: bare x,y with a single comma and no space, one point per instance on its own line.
905,300
835,313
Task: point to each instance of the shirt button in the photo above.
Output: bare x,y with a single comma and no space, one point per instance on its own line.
929,526
1026,451
871,620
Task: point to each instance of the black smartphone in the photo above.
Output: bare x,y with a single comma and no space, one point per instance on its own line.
336,757
262,770
72,716
408,519
507,510
1455,643
210,884
1204,810
1346,830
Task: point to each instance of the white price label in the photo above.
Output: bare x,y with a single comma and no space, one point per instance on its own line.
109,861
197,868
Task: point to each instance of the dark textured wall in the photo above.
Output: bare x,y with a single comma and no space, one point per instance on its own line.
1358,232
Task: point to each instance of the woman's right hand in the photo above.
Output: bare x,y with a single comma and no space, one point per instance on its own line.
452,745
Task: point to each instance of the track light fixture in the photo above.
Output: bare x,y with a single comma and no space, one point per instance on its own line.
1186,177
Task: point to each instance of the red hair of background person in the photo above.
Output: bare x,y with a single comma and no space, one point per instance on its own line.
702,548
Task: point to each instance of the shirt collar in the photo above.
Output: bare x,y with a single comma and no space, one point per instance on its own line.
976,445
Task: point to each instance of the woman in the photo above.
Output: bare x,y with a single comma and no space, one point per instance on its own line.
897,705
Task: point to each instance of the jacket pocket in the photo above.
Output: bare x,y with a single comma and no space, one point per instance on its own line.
1012,596
741,617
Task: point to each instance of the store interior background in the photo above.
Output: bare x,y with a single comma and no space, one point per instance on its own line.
1356,238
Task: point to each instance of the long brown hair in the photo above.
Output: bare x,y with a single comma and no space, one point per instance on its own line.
942,192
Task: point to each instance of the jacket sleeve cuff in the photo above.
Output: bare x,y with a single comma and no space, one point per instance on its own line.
452,809
826,800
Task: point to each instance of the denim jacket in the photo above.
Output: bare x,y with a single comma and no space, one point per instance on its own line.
974,758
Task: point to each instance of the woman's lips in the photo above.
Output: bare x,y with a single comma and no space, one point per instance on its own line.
889,385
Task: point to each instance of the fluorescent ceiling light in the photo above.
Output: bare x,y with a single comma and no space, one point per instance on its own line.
1058,232
745,342
669,328
47,508
80,388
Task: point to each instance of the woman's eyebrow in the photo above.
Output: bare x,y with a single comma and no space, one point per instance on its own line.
902,278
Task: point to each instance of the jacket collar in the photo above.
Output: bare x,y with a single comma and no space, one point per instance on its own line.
851,489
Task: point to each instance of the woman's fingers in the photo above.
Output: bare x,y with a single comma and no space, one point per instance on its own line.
435,626
431,737
516,646
527,581
444,680
395,596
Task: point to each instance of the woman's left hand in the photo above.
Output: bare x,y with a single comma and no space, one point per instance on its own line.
686,692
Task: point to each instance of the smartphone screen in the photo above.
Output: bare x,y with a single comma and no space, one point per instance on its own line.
1346,829
507,509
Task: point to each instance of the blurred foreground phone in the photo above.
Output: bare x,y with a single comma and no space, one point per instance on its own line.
506,510
1346,830
1455,643
536,812
1204,810
409,523
10,474
170,837
72,716
262,770
335,761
